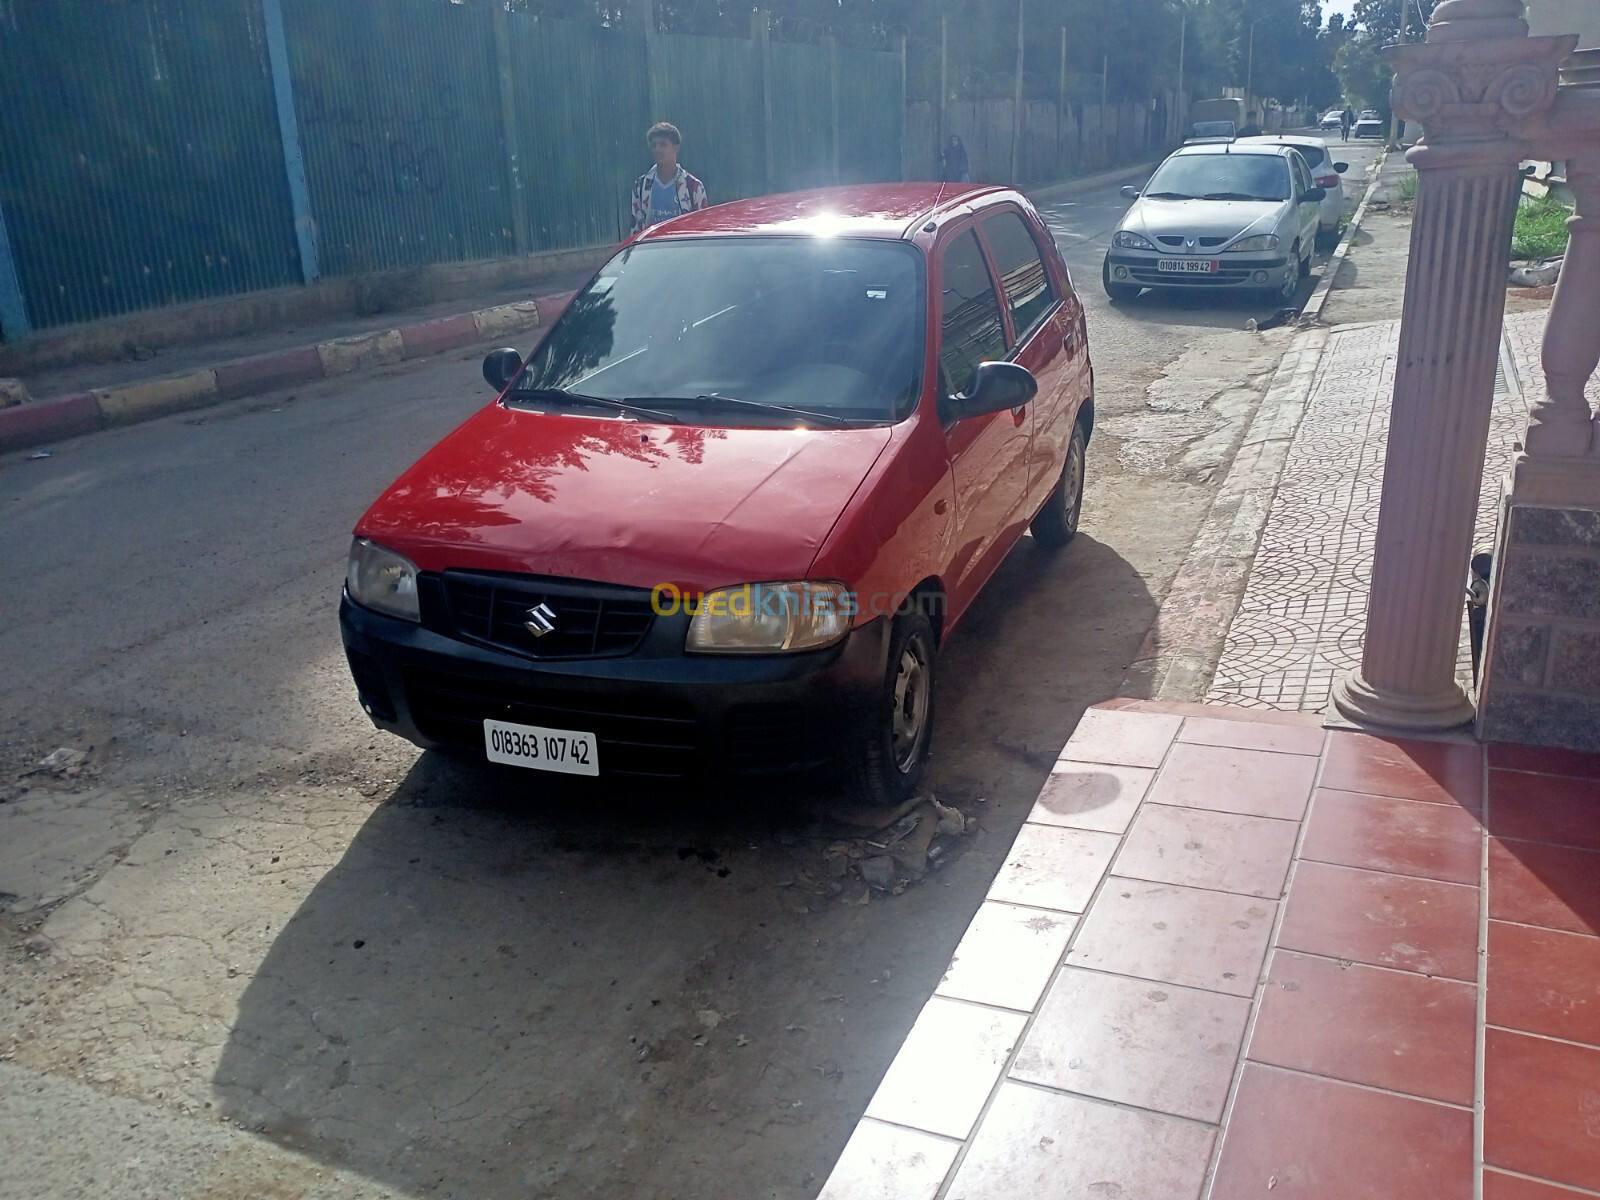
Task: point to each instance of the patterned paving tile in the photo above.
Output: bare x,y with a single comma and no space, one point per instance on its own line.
1302,619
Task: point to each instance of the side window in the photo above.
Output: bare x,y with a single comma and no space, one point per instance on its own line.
969,314
1022,271
1302,177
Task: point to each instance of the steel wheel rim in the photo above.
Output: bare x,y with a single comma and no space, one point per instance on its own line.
912,691
1074,483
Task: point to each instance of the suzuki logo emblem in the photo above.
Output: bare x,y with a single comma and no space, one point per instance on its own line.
541,620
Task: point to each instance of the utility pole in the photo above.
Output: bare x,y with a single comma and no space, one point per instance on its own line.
1250,69
1061,103
944,85
1016,104
1105,68
1183,104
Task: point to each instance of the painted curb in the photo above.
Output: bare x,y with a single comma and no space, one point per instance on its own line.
265,372
1335,263
48,419
27,425
151,398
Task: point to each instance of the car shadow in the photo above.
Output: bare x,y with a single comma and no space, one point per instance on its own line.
504,989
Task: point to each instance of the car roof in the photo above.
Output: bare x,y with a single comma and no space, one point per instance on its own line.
1284,139
1249,146
877,210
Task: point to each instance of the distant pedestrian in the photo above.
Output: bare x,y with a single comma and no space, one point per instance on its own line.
1346,120
666,190
1251,129
956,167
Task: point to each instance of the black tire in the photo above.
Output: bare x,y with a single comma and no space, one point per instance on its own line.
1118,293
1057,522
887,762
1327,239
1305,264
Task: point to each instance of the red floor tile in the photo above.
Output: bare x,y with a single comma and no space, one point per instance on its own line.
1388,1029
1127,739
1257,783
1188,936
1546,760
1155,1046
1408,837
1437,772
1550,886
1545,808
1196,848
1298,1137
1497,1185
1249,735
1544,981
1399,921
1541,1113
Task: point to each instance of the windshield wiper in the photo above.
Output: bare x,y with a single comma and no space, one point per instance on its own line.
1237,196
567,397
1168,196
712,399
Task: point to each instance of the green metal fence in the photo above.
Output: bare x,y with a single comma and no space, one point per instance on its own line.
160,151
139,156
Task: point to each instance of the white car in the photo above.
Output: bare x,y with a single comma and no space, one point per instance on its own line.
1325,173
1370,124
1332,119
1235,216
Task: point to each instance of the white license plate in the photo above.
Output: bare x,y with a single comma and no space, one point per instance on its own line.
1196,266
559,750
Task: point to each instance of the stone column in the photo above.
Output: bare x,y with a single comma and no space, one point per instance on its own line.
1560,424
1476,75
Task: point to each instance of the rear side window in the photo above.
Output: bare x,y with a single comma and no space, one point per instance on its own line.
1313,155
1022,271
969,314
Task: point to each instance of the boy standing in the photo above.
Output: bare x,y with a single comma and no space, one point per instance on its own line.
666,190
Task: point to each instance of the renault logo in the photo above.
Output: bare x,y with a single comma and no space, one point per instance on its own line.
1189,243
541,620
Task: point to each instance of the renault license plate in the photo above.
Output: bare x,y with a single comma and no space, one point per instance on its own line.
1189,266
560,750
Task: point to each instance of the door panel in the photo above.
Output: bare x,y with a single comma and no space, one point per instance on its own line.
988,454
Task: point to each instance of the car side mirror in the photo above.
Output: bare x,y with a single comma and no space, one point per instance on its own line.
1341,168
1317,194
500,367
1129,192
996,386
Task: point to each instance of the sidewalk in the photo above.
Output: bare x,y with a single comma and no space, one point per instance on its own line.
1234,955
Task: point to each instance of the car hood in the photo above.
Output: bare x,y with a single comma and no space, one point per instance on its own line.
623,502
1203,218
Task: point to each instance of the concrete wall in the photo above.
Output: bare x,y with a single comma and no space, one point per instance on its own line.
1582,17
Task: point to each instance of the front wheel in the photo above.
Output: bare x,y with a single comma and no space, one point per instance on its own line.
888,759
1119,293
1057,522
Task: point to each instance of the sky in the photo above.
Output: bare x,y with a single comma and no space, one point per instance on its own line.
1329,7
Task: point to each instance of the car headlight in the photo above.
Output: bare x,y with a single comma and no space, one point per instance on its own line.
762,618
1128,240
382,580
1261,241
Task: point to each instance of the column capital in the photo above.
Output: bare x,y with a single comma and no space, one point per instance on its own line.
1475,88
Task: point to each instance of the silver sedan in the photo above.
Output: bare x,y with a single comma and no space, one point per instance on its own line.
1237,217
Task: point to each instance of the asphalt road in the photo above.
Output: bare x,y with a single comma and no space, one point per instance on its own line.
248,916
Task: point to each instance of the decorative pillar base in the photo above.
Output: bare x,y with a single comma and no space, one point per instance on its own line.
1364,704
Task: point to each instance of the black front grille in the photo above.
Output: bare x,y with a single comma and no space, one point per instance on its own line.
637,736
590,620
1171,240
771,736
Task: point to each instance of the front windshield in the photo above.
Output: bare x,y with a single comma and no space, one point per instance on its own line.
1214,129
1222,177
829,325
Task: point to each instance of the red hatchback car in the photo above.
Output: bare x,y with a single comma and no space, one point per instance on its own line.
727,511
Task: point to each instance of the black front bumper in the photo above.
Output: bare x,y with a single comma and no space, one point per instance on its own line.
656,714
